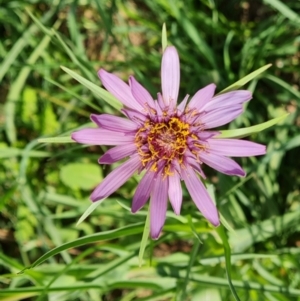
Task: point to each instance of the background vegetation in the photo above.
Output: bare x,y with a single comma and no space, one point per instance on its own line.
44,188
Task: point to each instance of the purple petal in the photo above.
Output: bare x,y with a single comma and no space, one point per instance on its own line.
228,99
200,196
119,89
158,205
143,191
101,137
135,116
158,111
175,192
202,97
220,116
204,135
114,123
170,75
116,178
235,148
222,164
182,105
176,166
160,102
140,93
117,153
190,159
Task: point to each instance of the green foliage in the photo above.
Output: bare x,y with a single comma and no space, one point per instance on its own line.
80,175
70,249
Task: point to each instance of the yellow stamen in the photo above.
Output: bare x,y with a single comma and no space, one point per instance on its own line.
162,141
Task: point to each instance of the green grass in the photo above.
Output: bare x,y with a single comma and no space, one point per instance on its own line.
44,255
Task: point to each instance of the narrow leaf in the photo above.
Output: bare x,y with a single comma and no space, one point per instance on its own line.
98,91
226,224
88,211
85,101
56,140
164,39
193,256
246,79
283,84
112,234
222,234
283,9
144,238
194,230
221,231
240,133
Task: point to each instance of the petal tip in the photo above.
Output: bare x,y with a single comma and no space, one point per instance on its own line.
177,211
171,49
131,80
101,72
155,236
93,198
241,173
216,223
214,219
74,136
155,231
101,160
212,86
134,210
94,118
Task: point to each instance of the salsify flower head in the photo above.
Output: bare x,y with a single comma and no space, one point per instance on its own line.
169,142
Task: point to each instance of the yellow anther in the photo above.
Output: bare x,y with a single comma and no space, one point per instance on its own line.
163,141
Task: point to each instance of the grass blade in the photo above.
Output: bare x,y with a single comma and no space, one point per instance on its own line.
283,9
98,91
89,210
144,238
56,140
246,79
164,39
244,132
112,234
221,231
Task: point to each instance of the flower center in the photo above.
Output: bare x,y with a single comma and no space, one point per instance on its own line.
162,141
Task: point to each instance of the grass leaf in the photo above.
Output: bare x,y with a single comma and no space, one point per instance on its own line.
145,238
245,79
56,140
164,38
98,91
244,132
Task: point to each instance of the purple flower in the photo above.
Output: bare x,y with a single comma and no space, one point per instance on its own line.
169,142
